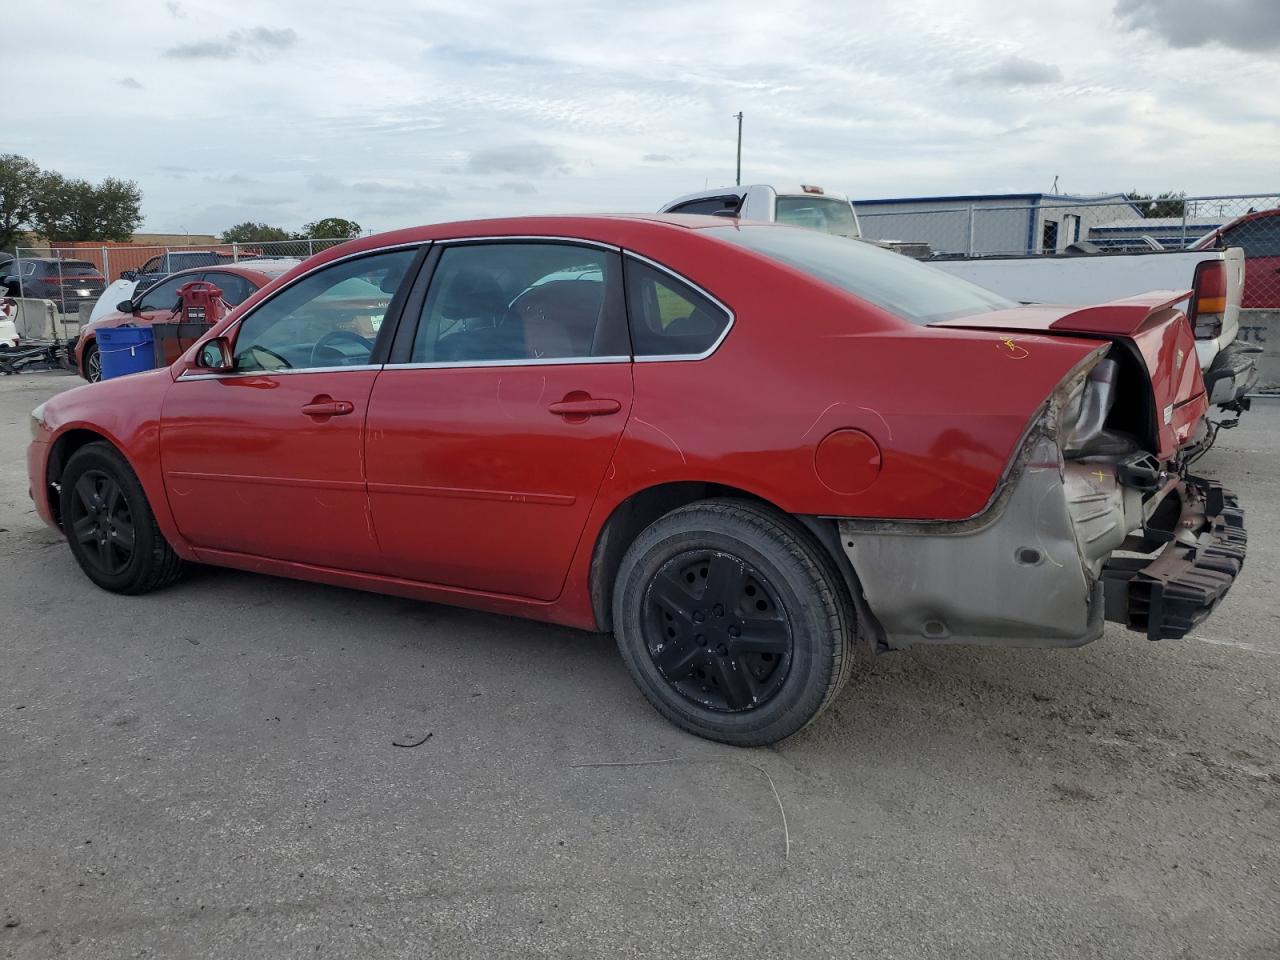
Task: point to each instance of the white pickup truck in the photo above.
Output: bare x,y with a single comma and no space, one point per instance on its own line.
1215,278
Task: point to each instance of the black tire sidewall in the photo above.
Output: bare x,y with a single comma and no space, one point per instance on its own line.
91,351
797,583
99,456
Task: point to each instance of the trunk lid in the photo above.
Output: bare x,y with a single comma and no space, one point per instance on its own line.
1150,324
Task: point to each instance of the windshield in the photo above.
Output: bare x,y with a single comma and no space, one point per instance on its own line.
902,286
818,213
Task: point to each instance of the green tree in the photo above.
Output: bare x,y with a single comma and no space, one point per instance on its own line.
329,228
250,232
19,187
74,209
1167,204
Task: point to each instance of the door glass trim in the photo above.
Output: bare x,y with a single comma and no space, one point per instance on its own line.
523,362
522,238
288,371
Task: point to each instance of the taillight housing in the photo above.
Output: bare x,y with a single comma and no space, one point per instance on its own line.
1208,299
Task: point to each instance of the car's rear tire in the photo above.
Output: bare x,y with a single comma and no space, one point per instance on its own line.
733,623
91,368
110,526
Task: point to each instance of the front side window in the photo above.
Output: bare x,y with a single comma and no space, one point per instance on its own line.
164,295
668,317
536,302
329,318
914,291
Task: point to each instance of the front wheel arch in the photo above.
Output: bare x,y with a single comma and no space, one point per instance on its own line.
60,452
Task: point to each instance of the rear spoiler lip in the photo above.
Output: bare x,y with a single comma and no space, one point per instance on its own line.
1120,317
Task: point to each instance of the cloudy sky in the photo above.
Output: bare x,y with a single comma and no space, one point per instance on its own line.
418,111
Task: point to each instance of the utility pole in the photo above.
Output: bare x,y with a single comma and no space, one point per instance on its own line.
737,182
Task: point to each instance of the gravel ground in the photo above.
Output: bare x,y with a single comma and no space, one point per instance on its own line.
210,771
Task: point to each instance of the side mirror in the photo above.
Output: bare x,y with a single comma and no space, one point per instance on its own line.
128,274
125,306
215,355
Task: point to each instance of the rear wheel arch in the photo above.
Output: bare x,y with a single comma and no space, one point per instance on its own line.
630,518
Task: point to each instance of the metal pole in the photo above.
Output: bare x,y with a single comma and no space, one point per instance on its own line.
106,265
235,252
969,251
311,249
737,180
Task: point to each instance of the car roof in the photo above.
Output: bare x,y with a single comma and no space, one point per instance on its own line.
262,271
614,229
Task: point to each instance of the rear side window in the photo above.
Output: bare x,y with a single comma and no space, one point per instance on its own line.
531,302
668,317
911,290
235,288
709,205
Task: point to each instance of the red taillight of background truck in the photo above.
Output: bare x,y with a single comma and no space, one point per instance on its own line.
1208,299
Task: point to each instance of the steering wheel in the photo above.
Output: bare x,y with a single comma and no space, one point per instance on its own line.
284,364
334,336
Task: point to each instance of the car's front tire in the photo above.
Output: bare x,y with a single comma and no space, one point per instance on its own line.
110,526
91,367
732,622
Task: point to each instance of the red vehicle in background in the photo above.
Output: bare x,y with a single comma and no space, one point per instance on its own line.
157,303
1258,232
739,447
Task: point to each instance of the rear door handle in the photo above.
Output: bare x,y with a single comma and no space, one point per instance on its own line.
324,407
589,407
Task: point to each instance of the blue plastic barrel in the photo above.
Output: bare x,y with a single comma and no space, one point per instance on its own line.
125,350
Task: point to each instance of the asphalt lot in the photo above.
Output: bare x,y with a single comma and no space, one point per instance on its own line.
209,771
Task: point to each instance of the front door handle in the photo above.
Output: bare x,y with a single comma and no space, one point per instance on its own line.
587,407
324,406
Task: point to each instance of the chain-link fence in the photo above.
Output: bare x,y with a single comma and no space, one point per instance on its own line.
73,276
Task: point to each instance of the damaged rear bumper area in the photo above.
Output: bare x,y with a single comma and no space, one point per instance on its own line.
1066,547
1198,540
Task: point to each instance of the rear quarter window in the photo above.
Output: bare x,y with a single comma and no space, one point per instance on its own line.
668,317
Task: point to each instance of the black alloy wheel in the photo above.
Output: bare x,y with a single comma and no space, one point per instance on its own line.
733,621
92,363
716,631
109,524
99,519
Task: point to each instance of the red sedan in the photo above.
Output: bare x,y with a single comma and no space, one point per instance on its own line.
742,448
157,303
